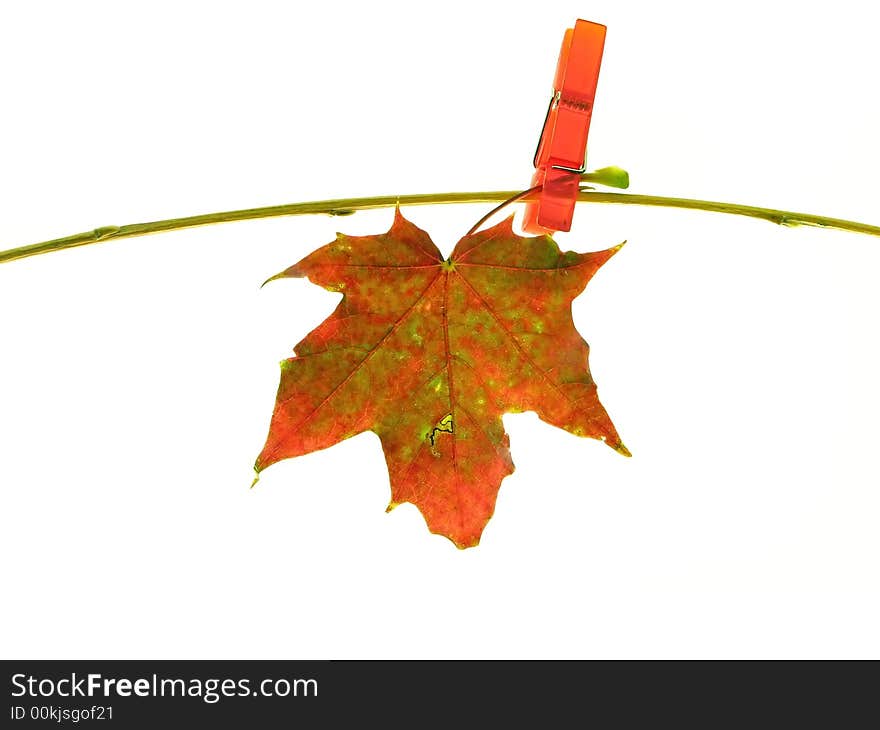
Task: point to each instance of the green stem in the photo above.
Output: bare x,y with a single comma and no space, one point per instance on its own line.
347,206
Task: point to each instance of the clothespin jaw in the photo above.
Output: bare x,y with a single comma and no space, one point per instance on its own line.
561,153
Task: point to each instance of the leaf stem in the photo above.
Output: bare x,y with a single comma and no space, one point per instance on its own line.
347,206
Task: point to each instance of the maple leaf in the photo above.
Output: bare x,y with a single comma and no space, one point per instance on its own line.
430,353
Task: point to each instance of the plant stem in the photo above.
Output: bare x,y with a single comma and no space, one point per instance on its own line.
347,206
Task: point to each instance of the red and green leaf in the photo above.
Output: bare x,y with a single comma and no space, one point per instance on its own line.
430,353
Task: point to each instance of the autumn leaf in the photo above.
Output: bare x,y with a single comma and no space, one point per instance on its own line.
430,353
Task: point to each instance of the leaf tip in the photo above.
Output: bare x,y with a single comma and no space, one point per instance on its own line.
464,545
621,449
398,217
293,272
613,250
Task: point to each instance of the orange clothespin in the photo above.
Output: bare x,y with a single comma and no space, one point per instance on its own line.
561,154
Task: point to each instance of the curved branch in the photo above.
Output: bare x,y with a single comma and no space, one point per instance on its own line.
347,206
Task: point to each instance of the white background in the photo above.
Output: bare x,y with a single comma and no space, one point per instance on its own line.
738,359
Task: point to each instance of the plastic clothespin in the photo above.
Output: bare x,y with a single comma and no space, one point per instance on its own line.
561,154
